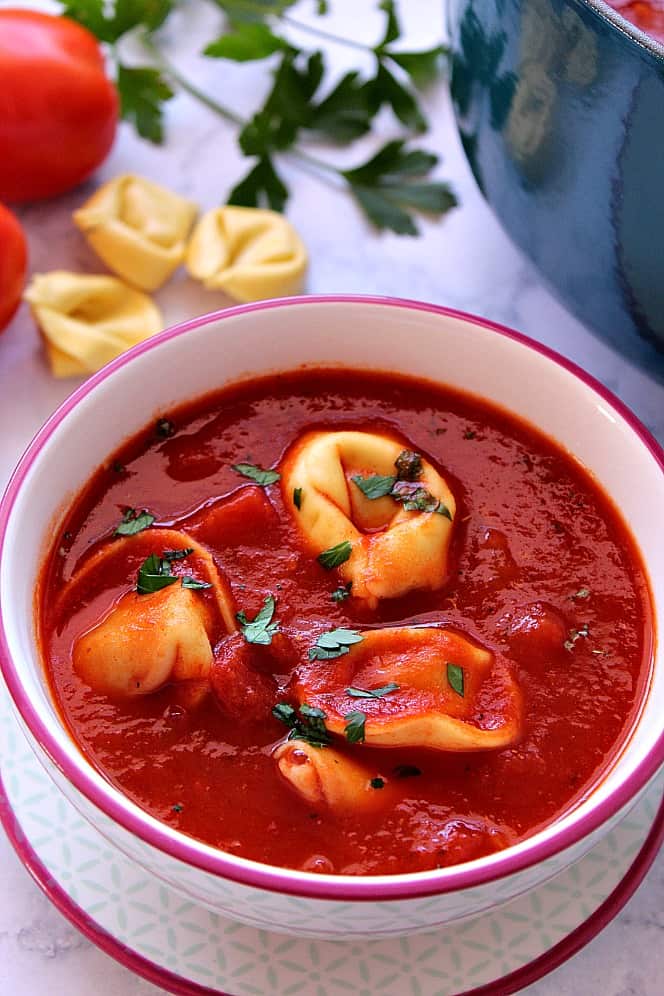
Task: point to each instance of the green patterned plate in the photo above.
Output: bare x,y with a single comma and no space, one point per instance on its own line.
186,949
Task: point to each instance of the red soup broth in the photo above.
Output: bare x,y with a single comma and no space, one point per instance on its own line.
543,573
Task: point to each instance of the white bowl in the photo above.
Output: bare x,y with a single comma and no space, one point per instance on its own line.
202,355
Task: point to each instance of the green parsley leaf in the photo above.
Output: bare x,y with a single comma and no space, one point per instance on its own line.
335,556
385,89
307,724
253,10
415,498
334,643
377,783
261,629
341,593
409,465
165,428
117,467
262,186
142,95
354,729
90,14
345,114
171,555
372,693
392,29
194,585
133,522
455,677
154,574
248,40
257,474
375,486
177,808
422,67
297,498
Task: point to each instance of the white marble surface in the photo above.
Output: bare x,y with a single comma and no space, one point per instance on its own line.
464,261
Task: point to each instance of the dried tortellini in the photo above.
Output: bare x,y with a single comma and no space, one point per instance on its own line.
393,548
139,229
86,320
249,253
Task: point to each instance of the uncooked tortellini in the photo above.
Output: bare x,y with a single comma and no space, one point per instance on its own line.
249,253
87,320
138,228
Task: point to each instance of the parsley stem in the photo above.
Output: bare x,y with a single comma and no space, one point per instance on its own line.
325,35
189,87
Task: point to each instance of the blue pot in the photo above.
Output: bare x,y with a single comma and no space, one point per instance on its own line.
560,108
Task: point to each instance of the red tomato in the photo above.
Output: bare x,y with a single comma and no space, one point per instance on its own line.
13,262
58,110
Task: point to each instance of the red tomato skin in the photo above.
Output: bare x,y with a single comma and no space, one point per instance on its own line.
13,264
58,109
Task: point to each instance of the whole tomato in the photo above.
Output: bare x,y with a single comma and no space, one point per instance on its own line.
58,109
13,263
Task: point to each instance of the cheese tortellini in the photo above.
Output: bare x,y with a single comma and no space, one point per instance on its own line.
394,549
138,228
249,253
450,694
326,777
145,641
87,320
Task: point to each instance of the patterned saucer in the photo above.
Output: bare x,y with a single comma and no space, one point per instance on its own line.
186,949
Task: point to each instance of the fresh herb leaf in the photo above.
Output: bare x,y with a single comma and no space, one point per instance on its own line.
415,498
171,555
407,771
392,29
345,114
248,40
375,486
422,67
377,783
194,585
165,428
261,629
469,434
341,593
297,498
409,466
307,724
335,556
143,93
334,643
117,467
576,634
154,574
455,677
133,522
257,474
354,729
372,693
253,10
288,106
177,808
581,593
385,89
261,186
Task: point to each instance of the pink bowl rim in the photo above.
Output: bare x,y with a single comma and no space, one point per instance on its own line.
252,873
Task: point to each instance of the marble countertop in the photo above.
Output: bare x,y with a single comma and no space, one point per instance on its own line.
465,261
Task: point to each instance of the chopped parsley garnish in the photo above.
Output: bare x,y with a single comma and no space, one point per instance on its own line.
154,574
194,585
372,693
341,593
335,643
576,634
377,783
335,556
403,487
177,808
455,677
407,771
117,467
297,498
257,474
165,428
469,434
306,724
409,466
133,522
581,593
177,554
261,629
354,729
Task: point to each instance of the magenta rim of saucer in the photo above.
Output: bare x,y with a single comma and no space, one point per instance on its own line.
363,889
513,982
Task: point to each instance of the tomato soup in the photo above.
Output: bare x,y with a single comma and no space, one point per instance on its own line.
346,622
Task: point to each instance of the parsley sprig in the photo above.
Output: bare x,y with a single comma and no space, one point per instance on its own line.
389,187
403,486
261,629
155,573
306,723
334,643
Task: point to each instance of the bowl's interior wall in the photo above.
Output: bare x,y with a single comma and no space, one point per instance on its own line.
417,342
